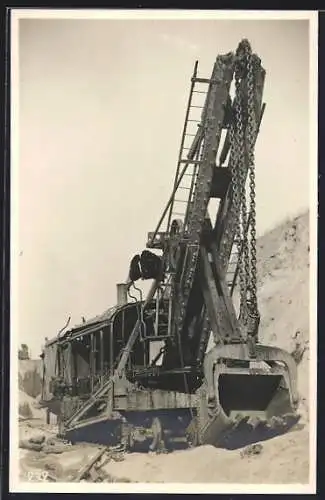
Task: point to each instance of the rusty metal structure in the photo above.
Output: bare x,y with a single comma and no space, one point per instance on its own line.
101,377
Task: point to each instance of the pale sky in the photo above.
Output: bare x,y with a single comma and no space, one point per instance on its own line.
102,105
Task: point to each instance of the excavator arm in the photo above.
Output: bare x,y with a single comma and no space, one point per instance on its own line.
196,252
204,260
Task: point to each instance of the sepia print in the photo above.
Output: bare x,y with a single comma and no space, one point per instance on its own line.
163,249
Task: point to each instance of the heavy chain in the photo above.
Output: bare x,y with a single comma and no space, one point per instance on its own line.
251,133
240,146
242,209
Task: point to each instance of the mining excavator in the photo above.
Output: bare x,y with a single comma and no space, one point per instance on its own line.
185,364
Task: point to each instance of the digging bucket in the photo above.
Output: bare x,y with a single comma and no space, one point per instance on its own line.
247,400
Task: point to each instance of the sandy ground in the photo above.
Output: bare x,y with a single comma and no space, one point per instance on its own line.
207,464
283,257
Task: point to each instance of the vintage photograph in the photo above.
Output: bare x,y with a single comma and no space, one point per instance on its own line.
163,251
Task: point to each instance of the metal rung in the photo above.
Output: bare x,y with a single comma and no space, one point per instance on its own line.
196,162
195,121
178,213
187,188
204,80
199,92
190,135
199,107
181,201
188,171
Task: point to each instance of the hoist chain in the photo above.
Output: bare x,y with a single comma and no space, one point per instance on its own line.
242,210
240,145
233,162
251,133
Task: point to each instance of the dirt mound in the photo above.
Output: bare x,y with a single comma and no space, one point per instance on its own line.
283,260
28,408
30,376
283,263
